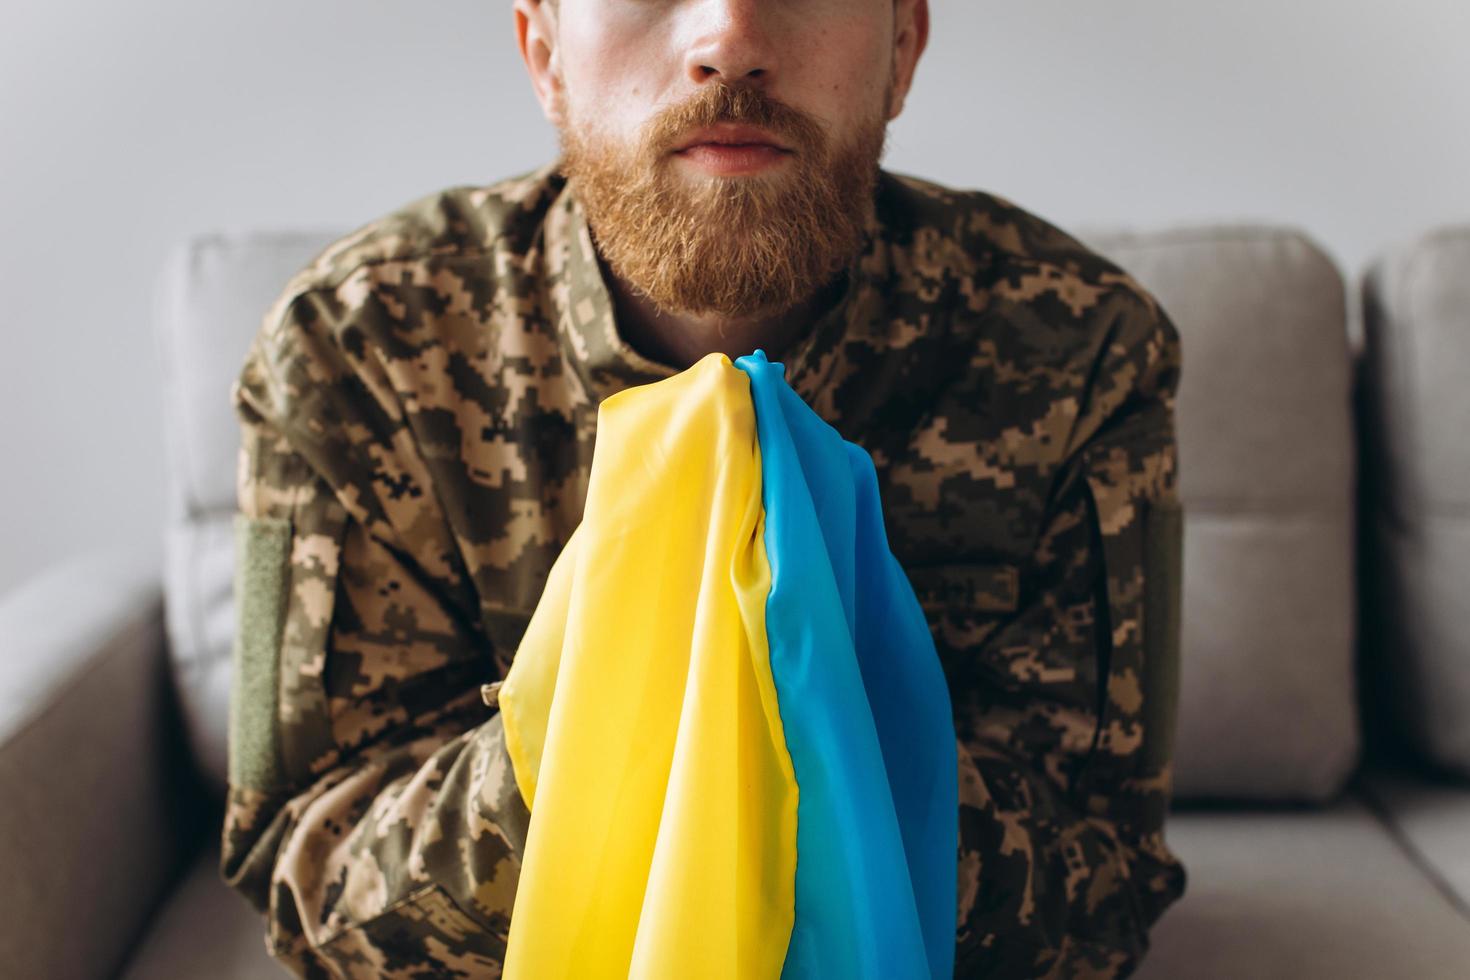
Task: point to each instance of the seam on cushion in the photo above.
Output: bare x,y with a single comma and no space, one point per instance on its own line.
1384,814
1407,317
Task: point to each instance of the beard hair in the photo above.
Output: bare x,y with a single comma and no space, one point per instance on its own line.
737,247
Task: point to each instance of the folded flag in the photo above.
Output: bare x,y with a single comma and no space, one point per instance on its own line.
727,715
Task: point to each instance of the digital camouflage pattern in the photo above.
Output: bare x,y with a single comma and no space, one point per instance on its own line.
418,414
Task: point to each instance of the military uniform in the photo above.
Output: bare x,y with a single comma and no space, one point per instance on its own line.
418,416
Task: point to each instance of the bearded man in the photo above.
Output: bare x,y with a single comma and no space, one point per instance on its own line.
418,417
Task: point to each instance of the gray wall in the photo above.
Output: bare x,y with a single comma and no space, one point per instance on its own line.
128,126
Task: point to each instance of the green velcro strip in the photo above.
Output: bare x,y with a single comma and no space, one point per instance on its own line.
262,584
1163,591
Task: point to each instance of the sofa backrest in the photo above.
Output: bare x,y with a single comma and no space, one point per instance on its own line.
1266,707
1266,473
1416,490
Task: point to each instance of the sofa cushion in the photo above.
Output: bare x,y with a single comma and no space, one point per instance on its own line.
1273,894
204,930
1301,894
1432,816
1267,708
213,294
95,817
1416,413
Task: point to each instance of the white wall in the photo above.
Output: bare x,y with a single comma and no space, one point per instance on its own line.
124,127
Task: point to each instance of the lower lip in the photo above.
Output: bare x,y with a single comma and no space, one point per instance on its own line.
728,159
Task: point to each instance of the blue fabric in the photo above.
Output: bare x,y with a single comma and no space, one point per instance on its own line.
864,704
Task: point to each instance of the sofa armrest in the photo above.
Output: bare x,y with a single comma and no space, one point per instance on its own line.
97,814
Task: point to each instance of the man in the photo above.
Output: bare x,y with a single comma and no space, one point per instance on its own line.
419,413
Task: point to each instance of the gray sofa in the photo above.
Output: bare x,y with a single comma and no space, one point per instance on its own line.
1323,752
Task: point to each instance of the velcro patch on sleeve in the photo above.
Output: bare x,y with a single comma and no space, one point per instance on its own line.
262,581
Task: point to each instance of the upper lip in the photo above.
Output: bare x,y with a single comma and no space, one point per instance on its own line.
730,133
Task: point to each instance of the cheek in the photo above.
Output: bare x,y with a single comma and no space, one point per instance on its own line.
615,63
842,63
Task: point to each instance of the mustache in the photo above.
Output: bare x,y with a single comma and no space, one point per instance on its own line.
721,103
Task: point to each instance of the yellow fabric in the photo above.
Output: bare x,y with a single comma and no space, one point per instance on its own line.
640,711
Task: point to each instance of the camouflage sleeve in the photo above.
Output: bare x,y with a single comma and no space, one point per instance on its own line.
371,816
1065,720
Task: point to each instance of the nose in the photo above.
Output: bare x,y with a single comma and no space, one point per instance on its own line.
732,43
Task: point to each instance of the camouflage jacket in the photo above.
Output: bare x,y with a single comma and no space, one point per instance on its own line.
418,416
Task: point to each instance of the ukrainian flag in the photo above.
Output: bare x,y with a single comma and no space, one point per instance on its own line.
727,716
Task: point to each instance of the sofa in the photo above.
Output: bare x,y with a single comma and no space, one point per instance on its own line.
1322,760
